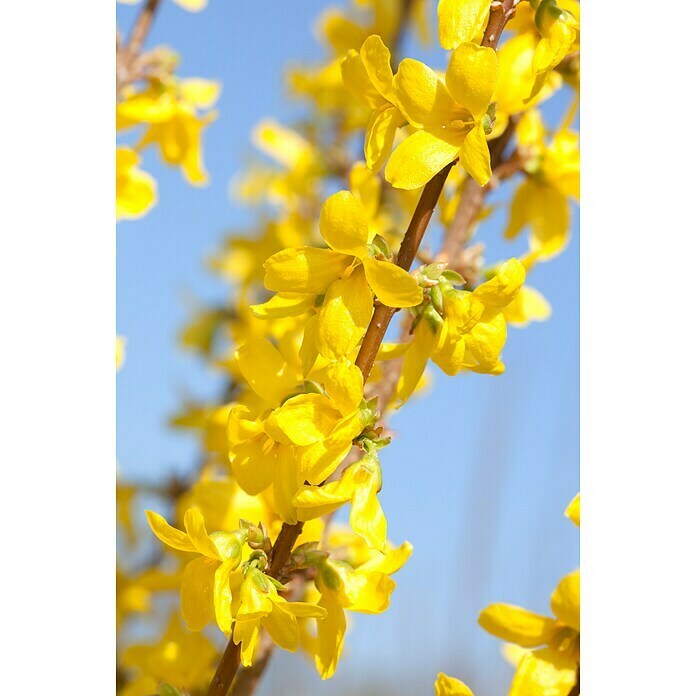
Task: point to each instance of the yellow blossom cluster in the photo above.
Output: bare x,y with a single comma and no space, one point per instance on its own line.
300,433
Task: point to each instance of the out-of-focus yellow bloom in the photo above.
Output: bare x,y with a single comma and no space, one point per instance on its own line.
559,31
549,669
573,510
258,605
120,351
180,658
449,686
365,589
552,178
206,594
529,305
346,274
451,117
136,190
171,112
461,21
469,334
344,32
359,484
369,77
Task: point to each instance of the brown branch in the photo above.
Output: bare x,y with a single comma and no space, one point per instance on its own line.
127,57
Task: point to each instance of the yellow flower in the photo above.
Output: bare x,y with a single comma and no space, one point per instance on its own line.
136,191
552,178
346,274
559,29
468,334
529,305
359,484
551,669
260,606
344,33
173,123
180,658
120,351
206,594
369,77
304,438
365,589
451,117
449,686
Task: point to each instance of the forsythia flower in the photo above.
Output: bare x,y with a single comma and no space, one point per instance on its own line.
304,438
470,332
558,28
359,484
171,113
552,177
206,594
369,77
449,686
365,589
181,659
136,191
258,605
573,510
343,33
451,117
345,275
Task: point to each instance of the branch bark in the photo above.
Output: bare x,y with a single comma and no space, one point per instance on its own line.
127,57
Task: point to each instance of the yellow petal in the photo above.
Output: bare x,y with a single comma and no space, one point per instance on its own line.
201,93
286,483
461,20
284,304
356,79
529,305
543,673
247,633
252,464
392,285
167,534
320,460
197,602
192,5
418,158
379,135
307,418
415,360
475,156
308,349
304,269
282,628
565,600
517,625
195,528
449,686
422,96
573,510
366,515
315,501
222,596
343,224
485,342
377,61
343,382
265,369
471,77
330,635
306,610
344,315
503,288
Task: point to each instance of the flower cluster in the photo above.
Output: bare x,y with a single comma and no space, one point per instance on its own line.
301,431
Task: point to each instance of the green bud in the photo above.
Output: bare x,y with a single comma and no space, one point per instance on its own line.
436,299
168,690
433,318
254,535
330,577
453,277
381,244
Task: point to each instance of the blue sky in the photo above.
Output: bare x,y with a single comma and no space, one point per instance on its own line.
507,447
